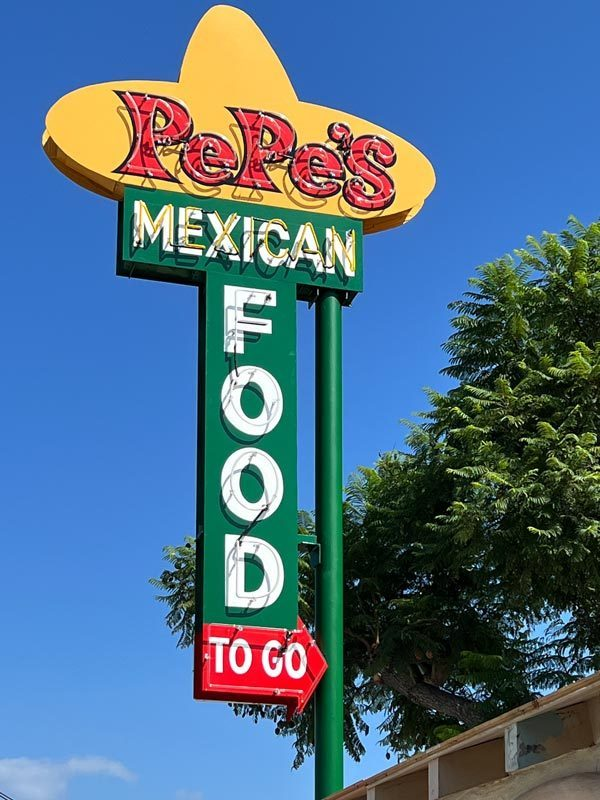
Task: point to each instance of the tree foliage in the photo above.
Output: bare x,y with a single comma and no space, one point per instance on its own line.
472,577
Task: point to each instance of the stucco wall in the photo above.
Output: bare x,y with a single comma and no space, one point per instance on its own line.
577,787
546,781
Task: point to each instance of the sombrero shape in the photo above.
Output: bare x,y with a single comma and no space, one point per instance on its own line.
228,64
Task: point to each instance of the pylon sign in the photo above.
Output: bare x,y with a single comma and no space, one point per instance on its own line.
228,182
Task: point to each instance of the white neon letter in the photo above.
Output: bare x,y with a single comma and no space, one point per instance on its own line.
143,225
219,642
236,323
248,239
295,672
231,490
306,246
189,227
272,670
345,253
231,400
223,241
237,549
237,644
264,251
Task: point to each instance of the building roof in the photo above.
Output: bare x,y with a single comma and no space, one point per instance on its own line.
584,695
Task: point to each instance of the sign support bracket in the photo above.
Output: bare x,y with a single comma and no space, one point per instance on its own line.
309,546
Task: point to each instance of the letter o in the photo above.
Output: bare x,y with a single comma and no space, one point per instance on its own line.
231,491
237,644
231,400
299,671
272,670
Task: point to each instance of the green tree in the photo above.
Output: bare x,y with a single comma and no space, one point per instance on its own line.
472,576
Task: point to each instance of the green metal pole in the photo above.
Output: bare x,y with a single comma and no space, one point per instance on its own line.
329,722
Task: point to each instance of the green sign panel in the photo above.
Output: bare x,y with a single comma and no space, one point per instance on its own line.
177,238
248,543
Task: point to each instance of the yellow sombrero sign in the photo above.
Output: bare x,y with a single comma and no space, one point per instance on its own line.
233,128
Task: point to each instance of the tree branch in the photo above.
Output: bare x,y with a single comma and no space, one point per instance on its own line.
368,647
429,696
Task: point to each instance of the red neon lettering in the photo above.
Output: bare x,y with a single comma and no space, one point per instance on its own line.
208,159
316,170
365,156
268,139
156,121
311,163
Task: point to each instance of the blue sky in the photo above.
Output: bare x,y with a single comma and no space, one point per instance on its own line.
97,406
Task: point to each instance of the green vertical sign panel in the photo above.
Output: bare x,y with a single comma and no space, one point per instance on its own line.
248,475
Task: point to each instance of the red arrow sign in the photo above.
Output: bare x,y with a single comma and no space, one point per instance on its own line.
257,665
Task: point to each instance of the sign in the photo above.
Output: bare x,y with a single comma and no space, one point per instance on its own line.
227,181
257,665
248,520
233,128
174,237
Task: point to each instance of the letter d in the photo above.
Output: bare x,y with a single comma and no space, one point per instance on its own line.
236,551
